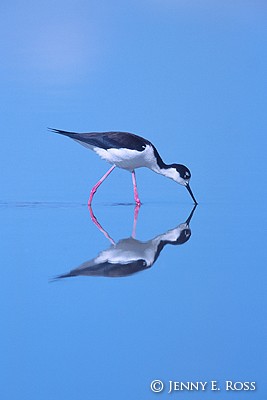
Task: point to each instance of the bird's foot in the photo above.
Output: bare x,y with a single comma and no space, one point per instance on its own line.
89,203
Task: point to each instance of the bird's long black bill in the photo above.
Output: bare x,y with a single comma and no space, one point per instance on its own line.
191,193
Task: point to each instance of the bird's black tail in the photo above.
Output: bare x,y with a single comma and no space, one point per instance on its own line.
65,133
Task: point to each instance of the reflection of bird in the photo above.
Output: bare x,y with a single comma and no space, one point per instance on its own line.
129,256
129,151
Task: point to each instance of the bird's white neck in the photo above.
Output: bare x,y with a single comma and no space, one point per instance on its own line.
169,172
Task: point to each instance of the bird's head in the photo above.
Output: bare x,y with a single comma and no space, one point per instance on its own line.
181,174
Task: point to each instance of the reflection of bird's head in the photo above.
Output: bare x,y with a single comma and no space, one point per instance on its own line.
184,230
178,235
184,236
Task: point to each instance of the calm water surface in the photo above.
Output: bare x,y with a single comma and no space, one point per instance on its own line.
196,314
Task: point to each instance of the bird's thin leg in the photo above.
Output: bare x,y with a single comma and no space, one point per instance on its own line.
136,197
94,189
95,221
136,211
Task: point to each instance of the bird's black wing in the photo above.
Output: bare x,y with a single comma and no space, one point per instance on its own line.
108,140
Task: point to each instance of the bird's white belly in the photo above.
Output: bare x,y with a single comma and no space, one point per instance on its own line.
128,159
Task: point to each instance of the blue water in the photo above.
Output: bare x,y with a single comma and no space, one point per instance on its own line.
190,77
197,314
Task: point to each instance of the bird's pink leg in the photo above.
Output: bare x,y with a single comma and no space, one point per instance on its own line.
94,189
136,197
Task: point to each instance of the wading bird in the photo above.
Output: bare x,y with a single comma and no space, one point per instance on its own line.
129,151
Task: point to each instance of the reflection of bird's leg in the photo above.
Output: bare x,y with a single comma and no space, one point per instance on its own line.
136,211
95,221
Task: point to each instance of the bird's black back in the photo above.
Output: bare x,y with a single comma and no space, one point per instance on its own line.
108,140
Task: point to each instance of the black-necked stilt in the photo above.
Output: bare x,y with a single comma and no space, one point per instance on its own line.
128,151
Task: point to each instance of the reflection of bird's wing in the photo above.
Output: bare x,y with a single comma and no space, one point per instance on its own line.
123,259
107,269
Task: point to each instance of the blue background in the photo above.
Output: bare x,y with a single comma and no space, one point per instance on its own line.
191,77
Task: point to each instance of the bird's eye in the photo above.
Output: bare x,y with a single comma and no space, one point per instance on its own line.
186,175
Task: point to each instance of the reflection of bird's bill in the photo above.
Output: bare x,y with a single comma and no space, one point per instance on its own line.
191,193
191,215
